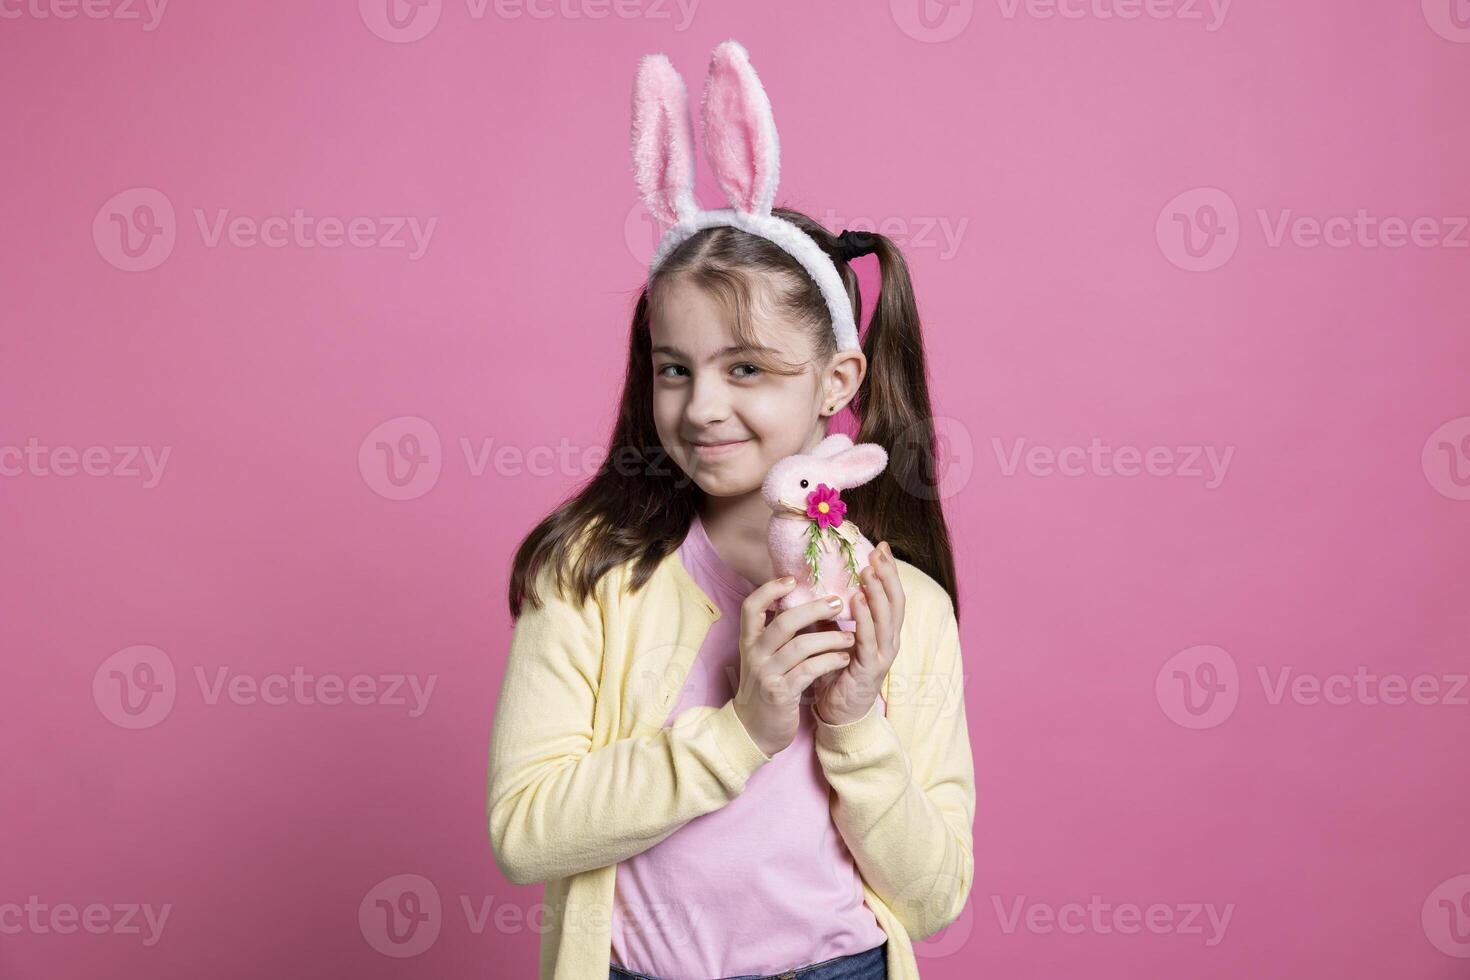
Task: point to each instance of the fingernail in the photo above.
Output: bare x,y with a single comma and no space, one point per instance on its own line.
834,601
787,580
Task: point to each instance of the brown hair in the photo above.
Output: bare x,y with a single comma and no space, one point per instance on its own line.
642,504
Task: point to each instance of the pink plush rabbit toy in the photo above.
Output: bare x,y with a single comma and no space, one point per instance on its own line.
810,537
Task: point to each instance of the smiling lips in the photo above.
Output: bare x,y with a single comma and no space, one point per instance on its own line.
718,448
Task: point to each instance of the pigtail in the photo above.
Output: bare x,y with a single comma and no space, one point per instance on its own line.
893,409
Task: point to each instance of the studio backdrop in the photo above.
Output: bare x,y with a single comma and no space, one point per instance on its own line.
310,311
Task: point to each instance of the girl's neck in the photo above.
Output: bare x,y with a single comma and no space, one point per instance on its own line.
738,527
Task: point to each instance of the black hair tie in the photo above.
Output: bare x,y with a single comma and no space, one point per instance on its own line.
851,244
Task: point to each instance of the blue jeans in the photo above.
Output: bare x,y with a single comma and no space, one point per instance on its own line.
871,964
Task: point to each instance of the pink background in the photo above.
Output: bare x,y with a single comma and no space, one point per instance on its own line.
1067,156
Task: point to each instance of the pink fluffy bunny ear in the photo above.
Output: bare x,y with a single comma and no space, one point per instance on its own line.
663,144
856,466
833,444
740,131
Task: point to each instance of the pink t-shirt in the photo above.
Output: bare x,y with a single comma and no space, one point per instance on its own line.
761,885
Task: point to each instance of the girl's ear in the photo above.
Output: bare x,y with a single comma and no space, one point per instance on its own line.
663,144
740,131
856,466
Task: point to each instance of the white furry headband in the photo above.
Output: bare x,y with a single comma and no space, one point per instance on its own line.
740,142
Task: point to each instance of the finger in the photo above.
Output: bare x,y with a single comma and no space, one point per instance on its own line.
892,587
806,645
801,676
753,609
820,626
785,625
877,597
867,630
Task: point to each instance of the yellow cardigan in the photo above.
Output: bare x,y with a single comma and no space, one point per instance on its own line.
582,774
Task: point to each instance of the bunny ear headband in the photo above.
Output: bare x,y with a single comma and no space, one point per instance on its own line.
740,141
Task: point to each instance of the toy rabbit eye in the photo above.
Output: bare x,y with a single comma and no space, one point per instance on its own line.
803,484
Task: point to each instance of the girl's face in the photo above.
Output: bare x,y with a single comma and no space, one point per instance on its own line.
707,392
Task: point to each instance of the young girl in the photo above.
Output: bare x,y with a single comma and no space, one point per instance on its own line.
710,787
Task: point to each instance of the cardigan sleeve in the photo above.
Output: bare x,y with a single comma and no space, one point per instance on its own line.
904,786
555,805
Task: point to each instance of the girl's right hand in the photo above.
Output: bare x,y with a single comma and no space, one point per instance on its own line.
778,663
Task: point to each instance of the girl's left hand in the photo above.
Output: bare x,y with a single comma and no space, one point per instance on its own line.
847,695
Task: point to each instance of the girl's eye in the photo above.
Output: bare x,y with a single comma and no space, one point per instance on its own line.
754,370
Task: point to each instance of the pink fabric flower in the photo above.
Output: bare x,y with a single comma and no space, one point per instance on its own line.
824,505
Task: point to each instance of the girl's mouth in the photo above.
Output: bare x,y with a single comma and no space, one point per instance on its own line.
719,449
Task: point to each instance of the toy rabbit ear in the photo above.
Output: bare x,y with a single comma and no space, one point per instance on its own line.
832,445
740,131
856,466
663,144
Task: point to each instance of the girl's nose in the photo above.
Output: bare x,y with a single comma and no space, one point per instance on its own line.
708,403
